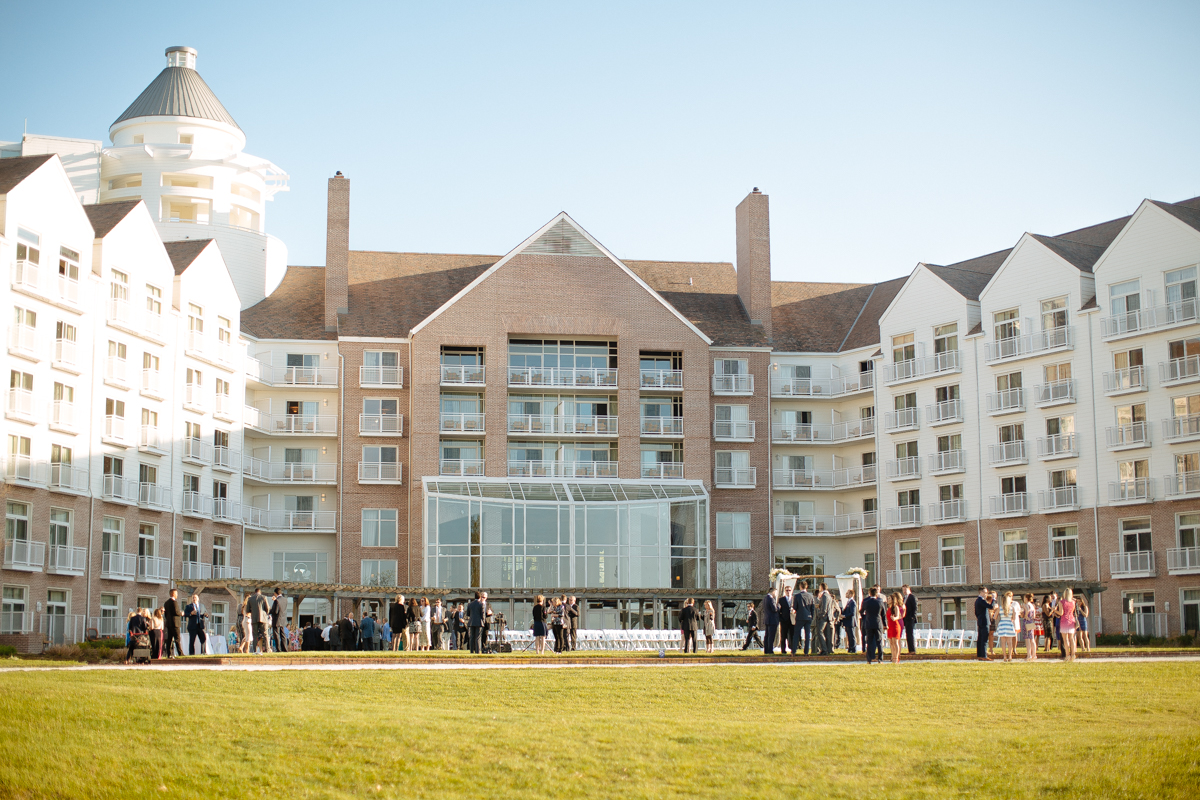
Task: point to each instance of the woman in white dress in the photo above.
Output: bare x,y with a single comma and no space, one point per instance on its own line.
423,644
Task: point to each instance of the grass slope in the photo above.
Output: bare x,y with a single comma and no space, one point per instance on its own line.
1049,730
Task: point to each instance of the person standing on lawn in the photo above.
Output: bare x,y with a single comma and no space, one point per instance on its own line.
1032,616
156,633
475,623
333,635
824,620
460,626
437,621
688,622
571,628
872,611
279,634
751,626
348,631
770,610
710,627
1006,627
805,605
1066,624
556,622
850,621
787,617
983,621
539,625
1048,622
910,618
195,613
398,620
260,618
895,625
172,622
1056,617
1081,625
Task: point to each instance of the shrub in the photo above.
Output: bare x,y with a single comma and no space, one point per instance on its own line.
115,655
7,651
104,644
64,652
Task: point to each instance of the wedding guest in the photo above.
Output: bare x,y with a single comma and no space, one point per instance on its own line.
689,620
539,625
1032,627
805,606
156,633
1007,620
983,621
1066,624
137,627
1081,625
787,617
872,609
556,623
1047,610
751,627
895,625
850,622
710,627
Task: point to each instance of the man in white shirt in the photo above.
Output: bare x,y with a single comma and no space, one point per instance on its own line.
436,618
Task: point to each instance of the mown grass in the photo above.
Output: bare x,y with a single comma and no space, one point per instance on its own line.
1113,730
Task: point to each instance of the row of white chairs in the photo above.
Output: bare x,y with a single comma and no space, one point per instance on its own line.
628,640
937,639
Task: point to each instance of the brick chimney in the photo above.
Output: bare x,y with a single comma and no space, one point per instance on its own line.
754,258
337,250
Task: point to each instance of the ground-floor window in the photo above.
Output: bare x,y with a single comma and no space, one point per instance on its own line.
12,611
733,575
378,573
1191,611
802,565
949,616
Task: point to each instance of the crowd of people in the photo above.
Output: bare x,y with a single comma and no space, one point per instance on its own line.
158,631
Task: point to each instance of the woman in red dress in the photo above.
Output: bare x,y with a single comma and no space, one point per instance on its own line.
895,625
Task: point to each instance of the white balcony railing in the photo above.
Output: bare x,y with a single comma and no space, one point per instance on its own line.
1181,429
23,469
114,428
948,576
1134,564
463,423
735,477
662,426
118,566
554,376
381,376
381,425
903,516
462,467
198,571
226,510
150,439
662,471
737,430
1010,505
66,353
1121,381
115,370
68,478
1066,568
119,489
153,569
904,419
823,479
289,471
19,402
68,290
1063,498
733,384
63,629
151,381
900,577
948,461
944,412
1008,401
23,339
1180,370
1058,445
119,312
66,560
16,622
25,276
1152,624
1007,453
1148,319
822,524
1183,560
291,424
823,387
1054,393
380,472
1010,571
279,520
1133,490
822,433
1136,434
154,495
152,324
562,469
324,377
463,374
225,458
193,395
24,555
948,511
1030,344
63,414
903,469
197,504
1182,483
197,450
915,368
223,406
666,379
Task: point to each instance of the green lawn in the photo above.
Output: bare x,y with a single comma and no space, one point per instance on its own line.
921,730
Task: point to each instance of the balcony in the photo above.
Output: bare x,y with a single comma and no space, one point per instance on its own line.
196,504
380,472
1010,571
120,314
289,521
473,423
1007,453
562,469
66,560
66,355
1152,624
1135,564
291,424
1055,393
68,478
62,415
1064,498
1133,323
823,479
225,459
549,424
226,510
1031,344
1009,401
22,341
905,419
832,387
197,451
154,495
22,469
663,471
461,467
25,276
1179,371
1182,484
118,566
918,368
948,576
822,433
24,555
1059,445
153,569
68,291
152,325
380,425
117,489
150,440
193,396
198,571
903,517
1183,560
904,469
151,384
1069,568
671,427
1014,504
946,511
116,371
948,461
114,430
1134,490
463,374
944,413
1125,381
1182,429
288,472
298,377
1128,437
735,477
19,403
662,380
824,525
733,384
223,406
737,430
523,377
63,629
900,577
381,376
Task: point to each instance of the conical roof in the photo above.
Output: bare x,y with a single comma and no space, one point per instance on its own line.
178,92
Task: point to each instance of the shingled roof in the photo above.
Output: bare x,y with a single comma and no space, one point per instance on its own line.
1077,254
1183,212
295,310
106,216
185,251
15,170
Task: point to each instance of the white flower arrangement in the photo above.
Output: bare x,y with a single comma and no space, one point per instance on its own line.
857,572
780,572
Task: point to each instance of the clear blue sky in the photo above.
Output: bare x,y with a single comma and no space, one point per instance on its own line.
885,134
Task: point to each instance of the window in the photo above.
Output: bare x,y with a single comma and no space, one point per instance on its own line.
1127,361
910,497
1185,410
733,574
1125,299
303,567
949,615
28,246
1006,325
220,551
378,573
68,264
733,466
12,612
24,318
220,490
1052,373
64,332
1060,426
732,422
381,366
1135,535
952,551
1133,470
60,454
191,547
1062,479
110,611
944,394
1064,541
1181,291
1014,545
1054,313
147,539
1006,434
949,443
1008,383
118,287
1180,351
60,530
191,483
949,492
112,537
388,406
1191,610
379,527
903,348
945,338
114,408
905,401
731,366
195,319
147,474
219,613
186,138
909,555
1013,484
906,450
802,565
16,522
733,531
379,455
869,565
114,466
1187,530
224,331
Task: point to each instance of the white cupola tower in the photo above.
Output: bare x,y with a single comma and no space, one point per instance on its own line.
179,150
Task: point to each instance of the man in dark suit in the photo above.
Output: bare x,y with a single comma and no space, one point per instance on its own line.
688,619
571,632
348,631
311,638
751,626
910,618
770,615
366,633
850,621
786,617
805,605
823,620
195,614
475,623
260,618
398,620
279,621
172,622
983,620
872,616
